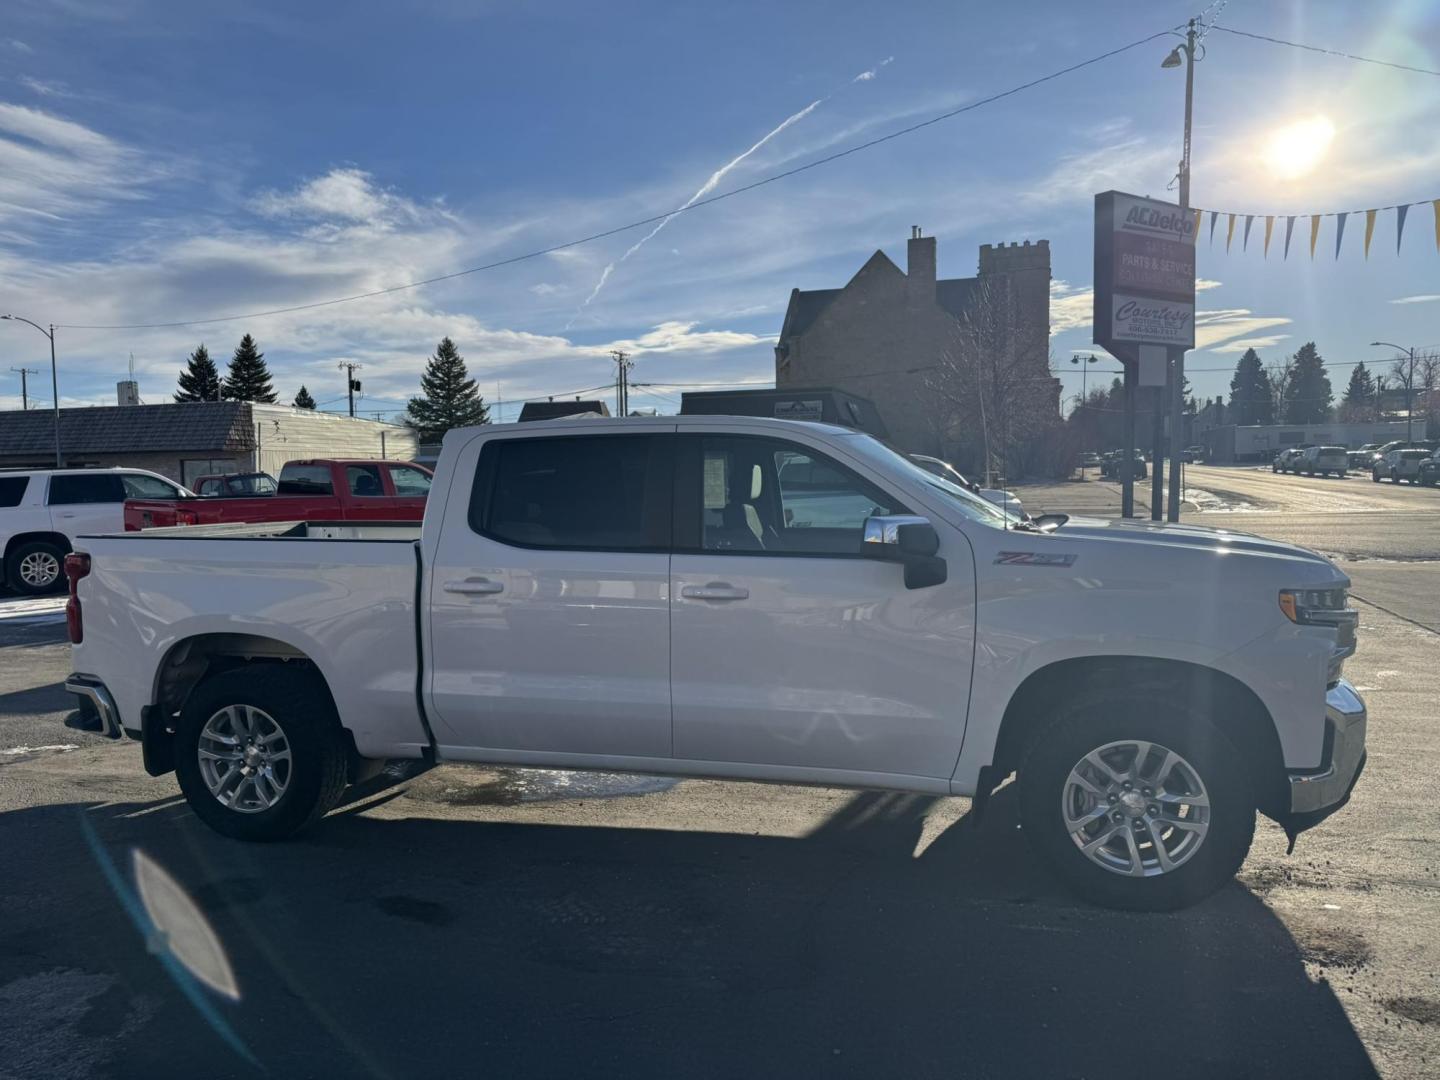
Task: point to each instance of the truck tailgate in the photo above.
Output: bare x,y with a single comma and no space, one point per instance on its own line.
347,605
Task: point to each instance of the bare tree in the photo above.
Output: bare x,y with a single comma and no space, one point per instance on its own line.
1280,373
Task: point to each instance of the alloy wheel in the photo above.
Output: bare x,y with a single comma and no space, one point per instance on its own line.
245,759
39,569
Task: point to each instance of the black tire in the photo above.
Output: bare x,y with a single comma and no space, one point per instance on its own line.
41,551
1375,476
1088,725
297,702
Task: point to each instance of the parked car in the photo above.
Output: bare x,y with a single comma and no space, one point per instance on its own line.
1325,460
1285,460
1399,465
234,485
1110,465
318,490
1090,460
651,595
1363,457
1193,455
1379,454
1002,498
43,510
1430,470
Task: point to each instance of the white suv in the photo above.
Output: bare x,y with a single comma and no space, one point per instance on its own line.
43,510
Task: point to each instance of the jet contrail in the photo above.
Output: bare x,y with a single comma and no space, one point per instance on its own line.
710,185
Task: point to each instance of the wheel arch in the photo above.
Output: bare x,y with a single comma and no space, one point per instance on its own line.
1233,707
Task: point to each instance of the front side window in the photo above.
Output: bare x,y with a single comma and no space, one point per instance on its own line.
364,481
606,493
305,480
756,495
74,488
140,486
409,480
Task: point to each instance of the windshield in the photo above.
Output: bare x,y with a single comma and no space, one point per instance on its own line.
972,506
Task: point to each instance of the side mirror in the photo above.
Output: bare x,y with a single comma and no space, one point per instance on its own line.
909,540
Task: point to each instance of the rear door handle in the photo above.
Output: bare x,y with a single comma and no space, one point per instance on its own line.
474,586
716,590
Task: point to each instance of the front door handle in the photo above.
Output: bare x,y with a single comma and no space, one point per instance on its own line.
476,586
716,590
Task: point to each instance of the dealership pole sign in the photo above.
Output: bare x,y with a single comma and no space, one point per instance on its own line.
1144,275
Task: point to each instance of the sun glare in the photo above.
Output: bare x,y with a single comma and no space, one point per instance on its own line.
1296,149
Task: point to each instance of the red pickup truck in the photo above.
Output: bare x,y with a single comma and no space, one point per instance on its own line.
317,490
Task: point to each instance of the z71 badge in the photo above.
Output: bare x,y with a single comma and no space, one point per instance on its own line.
1035,558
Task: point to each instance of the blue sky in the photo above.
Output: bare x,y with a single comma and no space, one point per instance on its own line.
168,161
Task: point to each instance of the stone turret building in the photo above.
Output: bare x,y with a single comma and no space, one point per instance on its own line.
882,334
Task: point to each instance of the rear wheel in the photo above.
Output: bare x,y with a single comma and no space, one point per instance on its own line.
35,568
259,752
1137,808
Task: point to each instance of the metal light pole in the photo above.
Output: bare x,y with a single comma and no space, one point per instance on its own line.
1084,372
1177,393
54,380
1409,387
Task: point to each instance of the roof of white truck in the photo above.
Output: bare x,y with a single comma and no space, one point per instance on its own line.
592,422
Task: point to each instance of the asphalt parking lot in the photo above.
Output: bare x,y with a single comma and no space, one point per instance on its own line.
541,923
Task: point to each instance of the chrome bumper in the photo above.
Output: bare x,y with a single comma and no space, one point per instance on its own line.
1345,720
91,688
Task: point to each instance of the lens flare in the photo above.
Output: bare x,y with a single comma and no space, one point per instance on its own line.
1296,149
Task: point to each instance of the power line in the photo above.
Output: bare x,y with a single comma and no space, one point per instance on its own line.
1327,52
762,182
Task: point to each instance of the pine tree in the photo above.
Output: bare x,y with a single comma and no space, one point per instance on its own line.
303,400
1359,402
448,397
1308,394
248,379
1251,396
200,379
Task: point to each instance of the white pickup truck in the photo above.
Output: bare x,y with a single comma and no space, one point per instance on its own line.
743,598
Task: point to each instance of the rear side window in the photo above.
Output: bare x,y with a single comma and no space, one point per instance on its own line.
12,490
305,480
74,488
364,481
594,493
139,486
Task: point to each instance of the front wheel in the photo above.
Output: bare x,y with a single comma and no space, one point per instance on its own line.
259,751
34,569
1136,810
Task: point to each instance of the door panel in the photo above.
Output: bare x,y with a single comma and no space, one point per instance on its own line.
537,643
807,656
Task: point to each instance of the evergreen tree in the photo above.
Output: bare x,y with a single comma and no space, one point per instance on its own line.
1251,396
448,397
1308,394
200,379
303,400
248,379
1359,402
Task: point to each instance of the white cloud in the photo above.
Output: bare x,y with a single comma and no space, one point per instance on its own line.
866,76
545,288
671,337
1071,307
1201,284
45,87
1268,341
344,194
1214,328
1423,298
20,46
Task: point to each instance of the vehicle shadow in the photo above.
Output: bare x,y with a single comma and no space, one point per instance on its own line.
432,946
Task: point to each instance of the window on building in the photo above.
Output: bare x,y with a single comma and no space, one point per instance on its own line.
140,486
68,489
607,493
296,479
12,490
409,480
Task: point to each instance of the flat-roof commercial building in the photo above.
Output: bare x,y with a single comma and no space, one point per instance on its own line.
190,439
1260,442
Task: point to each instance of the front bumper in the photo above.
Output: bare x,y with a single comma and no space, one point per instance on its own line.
93,690
1317,794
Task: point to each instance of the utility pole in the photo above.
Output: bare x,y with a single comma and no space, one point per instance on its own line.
1177,369
1409,387
24,385
54,380
351,383
623,364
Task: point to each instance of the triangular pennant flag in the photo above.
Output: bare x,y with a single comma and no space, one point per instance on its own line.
1249,220
1340,231
1215,216
1400,212
1314,232
1229,231
1289,228
1369,230
1269,225
1198,215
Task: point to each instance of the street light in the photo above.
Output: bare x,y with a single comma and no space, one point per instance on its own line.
1186,54
1084,371
1409,386
54,381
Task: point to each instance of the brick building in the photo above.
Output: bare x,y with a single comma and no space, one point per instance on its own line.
883,333
190,439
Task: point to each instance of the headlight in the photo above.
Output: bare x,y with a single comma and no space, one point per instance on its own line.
1328,608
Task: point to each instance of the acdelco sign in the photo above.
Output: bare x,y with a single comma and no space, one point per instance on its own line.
1144,216
1144,274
